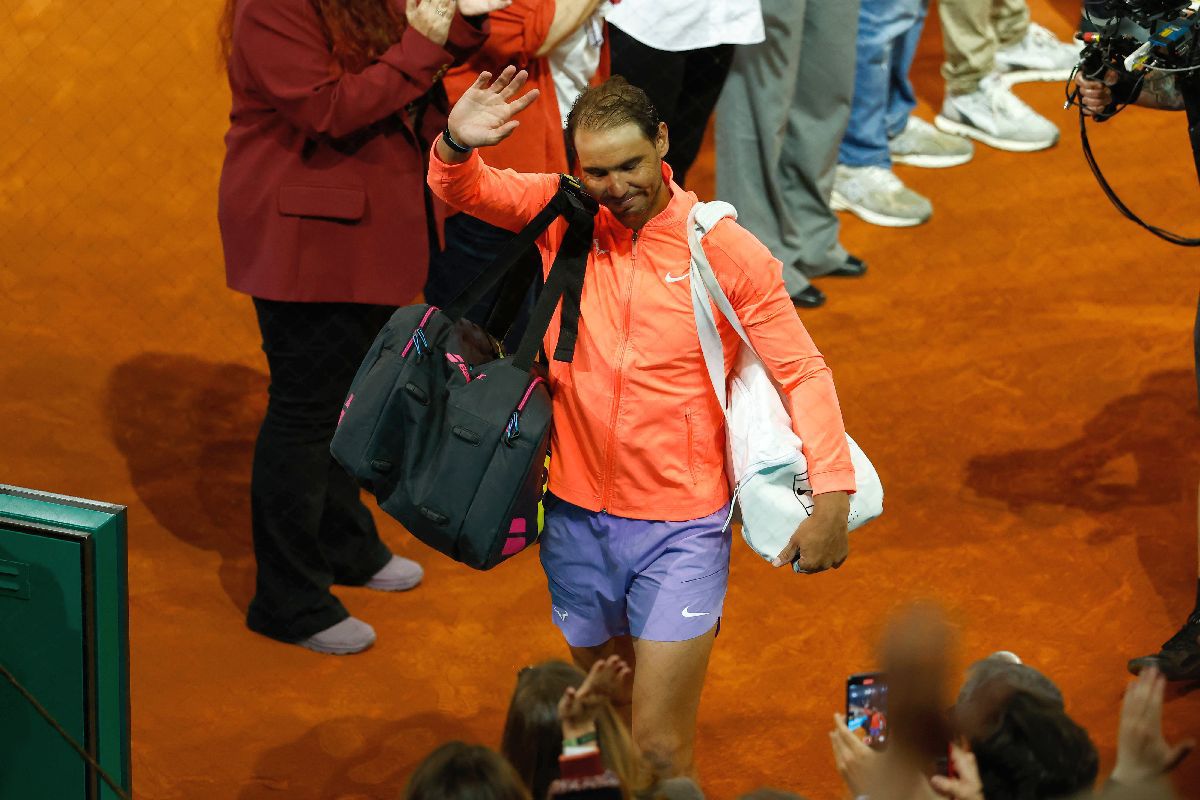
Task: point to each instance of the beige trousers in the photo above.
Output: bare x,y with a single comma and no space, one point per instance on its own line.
971,32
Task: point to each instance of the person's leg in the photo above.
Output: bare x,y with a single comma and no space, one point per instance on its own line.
1010,20
816,122
313,351
666,700
675,603
864,183
347,534
882,28
968,42
901,99
751,121
704,75
978,103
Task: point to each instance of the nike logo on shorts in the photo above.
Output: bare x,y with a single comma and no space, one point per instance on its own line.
690,614
669,278
562,615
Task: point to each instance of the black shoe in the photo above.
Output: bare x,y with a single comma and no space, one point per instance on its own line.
1179,659
855,267
809,297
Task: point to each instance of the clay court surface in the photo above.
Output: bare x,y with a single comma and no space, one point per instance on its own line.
1019,369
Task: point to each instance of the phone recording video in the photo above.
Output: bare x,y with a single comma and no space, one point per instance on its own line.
866,708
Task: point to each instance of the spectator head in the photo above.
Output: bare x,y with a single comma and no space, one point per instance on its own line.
617,141
458,771
1026,745
532,739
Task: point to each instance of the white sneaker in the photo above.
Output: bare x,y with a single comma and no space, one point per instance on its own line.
877,196
398,575
344,638
922,145
995,116
1040,56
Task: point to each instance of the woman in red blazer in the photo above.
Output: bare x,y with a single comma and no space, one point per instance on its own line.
327,224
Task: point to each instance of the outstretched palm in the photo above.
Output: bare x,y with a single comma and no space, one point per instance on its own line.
484,115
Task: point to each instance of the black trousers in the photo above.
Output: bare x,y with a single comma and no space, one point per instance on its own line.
683,86
311,529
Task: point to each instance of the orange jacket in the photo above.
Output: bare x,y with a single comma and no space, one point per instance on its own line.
637,429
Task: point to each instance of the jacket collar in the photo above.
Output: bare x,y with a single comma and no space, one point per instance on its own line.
680,204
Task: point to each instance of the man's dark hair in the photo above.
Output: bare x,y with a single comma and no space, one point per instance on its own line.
613,103
1035,752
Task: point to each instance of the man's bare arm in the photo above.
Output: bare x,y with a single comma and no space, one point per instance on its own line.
1161,91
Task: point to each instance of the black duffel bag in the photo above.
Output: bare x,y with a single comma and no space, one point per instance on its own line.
449,434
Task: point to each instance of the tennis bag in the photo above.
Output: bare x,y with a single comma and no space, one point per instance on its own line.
766,463
449,434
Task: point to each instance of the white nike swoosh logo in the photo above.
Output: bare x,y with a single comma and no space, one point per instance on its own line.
672,279
687,613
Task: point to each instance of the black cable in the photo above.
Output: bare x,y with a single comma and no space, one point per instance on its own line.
40,709
1126,212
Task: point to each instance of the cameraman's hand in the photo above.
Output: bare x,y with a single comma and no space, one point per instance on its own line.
1095,96
821,541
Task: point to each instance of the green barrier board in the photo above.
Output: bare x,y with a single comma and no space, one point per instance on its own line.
64,637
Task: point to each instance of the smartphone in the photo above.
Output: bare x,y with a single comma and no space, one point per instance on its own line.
866,708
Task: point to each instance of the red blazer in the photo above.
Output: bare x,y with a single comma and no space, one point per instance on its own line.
322,194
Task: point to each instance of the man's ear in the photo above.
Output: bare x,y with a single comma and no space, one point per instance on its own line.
662,142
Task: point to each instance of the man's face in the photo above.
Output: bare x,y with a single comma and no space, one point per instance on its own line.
622,169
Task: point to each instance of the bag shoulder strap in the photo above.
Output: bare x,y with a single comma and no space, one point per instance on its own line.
705,288
565,280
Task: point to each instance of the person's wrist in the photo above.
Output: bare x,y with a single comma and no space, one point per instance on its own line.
578,730
453,142
830,503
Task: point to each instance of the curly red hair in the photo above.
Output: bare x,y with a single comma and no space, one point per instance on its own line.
358,31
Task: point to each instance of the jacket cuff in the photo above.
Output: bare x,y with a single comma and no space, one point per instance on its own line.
585,765
466,36
835,480
417,57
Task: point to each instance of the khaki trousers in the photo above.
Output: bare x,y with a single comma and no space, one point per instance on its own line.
971,32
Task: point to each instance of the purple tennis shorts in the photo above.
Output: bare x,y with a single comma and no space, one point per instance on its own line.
611,576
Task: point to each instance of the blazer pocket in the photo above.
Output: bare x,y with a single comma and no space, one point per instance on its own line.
328,202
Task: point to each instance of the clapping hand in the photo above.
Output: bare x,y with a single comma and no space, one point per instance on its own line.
474,8
1143,754
431,18
578,708
484,114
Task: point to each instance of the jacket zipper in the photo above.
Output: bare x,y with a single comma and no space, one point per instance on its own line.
609,448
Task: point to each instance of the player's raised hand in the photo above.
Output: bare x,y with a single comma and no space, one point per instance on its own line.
484,115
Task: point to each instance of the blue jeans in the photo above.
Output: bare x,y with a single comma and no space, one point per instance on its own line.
888,32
